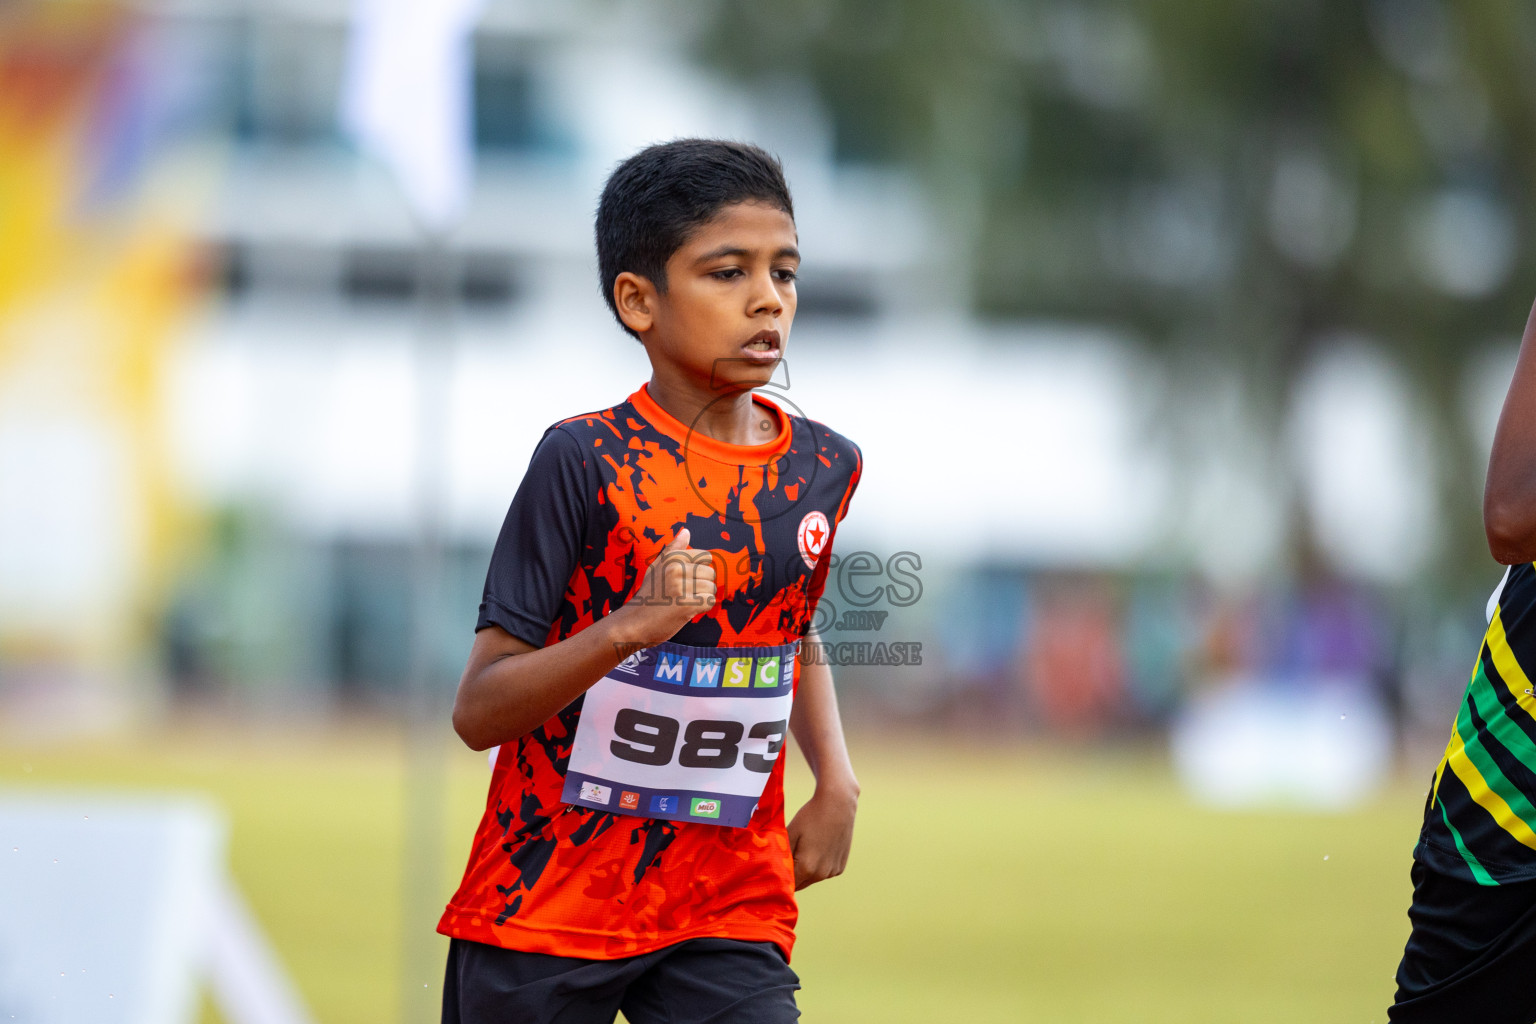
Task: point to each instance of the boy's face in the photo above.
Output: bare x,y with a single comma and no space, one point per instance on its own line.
724,319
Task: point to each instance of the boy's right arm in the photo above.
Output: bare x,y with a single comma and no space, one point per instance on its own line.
509,687
1509,497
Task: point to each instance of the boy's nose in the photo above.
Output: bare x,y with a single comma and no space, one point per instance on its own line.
765,297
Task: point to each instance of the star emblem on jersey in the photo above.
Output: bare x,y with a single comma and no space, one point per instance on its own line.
815,531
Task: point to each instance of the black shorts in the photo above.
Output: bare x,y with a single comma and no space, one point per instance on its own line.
719,981
1471,955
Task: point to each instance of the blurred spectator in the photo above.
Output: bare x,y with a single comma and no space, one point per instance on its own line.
1075,665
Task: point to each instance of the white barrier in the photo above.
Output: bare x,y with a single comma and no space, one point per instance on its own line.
116,909
1322,744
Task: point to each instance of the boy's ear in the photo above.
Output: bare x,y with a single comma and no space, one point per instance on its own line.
635,299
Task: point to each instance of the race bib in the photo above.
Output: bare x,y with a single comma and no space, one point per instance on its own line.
683,733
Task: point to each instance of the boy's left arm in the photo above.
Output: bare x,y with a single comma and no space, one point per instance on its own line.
821,833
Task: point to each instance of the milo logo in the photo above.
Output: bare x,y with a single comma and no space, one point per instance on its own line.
704,808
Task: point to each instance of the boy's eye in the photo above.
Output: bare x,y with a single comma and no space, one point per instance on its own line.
786,273
726,274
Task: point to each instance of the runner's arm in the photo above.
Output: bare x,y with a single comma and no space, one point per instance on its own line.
1509,497
510,687
821,833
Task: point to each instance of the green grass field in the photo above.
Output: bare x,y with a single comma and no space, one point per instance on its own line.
988,883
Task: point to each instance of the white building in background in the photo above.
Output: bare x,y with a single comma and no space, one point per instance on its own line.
1029,442
291,407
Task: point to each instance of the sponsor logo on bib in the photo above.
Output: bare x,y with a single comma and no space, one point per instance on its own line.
663,804
703,807
706,672
738,671
595,793
629,801
767,672
671,668
813,536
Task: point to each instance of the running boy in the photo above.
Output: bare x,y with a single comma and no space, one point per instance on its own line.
638,652
1473,944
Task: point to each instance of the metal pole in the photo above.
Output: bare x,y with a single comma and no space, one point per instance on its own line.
424,705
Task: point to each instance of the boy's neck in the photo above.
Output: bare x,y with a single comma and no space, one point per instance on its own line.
730,417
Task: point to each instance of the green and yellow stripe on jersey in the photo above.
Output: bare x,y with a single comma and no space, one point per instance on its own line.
1480,818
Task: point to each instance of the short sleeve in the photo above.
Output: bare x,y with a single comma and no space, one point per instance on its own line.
853,480
540,542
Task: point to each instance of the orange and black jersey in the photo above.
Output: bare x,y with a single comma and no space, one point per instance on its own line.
604,493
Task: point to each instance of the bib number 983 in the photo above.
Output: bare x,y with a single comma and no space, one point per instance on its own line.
646,738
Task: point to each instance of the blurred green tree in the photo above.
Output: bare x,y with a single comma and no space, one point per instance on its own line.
1235,183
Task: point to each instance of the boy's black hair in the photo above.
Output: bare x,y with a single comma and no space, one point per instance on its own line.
657,197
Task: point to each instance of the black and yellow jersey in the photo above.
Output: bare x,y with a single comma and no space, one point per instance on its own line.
1480,818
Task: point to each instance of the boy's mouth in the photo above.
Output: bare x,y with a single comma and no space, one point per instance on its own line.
762,347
